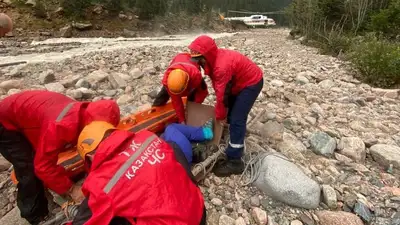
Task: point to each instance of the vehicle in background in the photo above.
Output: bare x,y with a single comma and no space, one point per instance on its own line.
253,21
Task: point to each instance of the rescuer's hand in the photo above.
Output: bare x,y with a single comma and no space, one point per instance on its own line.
75,192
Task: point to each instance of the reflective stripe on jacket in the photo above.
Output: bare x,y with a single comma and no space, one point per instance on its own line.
52,122
137,177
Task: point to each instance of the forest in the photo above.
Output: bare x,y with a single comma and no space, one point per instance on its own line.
366,32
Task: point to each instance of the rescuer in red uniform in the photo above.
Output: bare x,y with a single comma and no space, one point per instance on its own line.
35,126
182,78
139,178
237,82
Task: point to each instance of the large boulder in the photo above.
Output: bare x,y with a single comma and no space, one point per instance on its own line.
386,154
285,182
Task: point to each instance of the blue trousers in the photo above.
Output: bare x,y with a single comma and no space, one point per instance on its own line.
183,135
239,109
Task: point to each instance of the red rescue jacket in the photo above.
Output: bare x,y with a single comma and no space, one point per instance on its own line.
183,61
226,66
52,122
136,176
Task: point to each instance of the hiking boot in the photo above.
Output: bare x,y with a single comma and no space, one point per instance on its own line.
229,167
208,129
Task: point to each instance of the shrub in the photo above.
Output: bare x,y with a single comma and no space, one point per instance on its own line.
378,61
75,8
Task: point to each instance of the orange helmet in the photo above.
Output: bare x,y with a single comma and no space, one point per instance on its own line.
91,136
178,81
6,24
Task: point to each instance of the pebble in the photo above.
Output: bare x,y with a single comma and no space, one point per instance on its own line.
216,201
47,77
259,216
82,83
55,87
338,218
255,201
226,220
329,196
296,222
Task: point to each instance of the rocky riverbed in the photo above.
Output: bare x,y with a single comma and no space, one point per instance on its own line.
338,138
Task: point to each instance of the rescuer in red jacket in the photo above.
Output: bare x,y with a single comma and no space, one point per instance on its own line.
35,126
139,178
182,78
237,82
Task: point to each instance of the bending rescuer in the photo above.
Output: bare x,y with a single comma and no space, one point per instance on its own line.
139,178
237,82
182,78
35,126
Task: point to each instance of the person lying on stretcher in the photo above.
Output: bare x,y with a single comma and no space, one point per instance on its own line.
139,178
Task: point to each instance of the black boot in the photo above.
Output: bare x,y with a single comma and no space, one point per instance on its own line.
229,167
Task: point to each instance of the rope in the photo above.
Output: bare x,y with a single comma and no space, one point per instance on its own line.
254,164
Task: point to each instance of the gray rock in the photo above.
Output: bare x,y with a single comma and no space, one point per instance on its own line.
3,200
322,144
82,83
110,93
124,99
226,220
66,32
255,201
396,219
150,70
277,83
285,182
82,26
329,196
75,94
47,77
56,87
13,218
70,81
353,147
87,93
136,73
97,76
216,201
301,79
240,221
326,84
259,216
292,143
129,33
386,155
272,130
11,84
4,165
116,81
31,3
362,211
295,98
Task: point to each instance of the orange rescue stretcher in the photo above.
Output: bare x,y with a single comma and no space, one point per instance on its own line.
154,119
